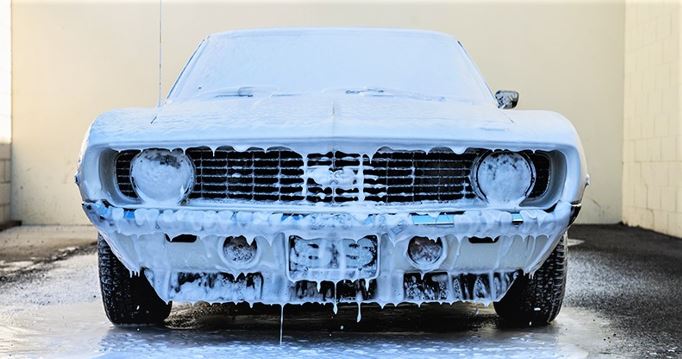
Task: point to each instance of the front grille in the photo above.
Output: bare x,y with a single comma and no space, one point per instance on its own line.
253,175
333,177
414,176
280,174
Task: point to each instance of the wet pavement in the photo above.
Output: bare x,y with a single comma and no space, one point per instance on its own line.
623,300
28,248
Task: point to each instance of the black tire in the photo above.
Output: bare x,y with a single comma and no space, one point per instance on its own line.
536,300
128,299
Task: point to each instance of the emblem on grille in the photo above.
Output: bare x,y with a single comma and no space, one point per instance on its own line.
343,178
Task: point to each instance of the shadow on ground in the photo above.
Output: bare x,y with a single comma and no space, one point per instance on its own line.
405,318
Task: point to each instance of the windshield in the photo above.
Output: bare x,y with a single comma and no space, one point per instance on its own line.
358,61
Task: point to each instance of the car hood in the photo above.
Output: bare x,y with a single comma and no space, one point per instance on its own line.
280,118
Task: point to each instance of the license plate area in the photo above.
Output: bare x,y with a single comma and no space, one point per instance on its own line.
332,259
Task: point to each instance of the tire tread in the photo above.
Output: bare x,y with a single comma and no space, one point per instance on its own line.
128,298
536,300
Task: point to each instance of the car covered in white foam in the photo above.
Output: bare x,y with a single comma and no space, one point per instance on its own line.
332,166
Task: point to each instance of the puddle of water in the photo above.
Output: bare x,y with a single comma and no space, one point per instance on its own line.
61,315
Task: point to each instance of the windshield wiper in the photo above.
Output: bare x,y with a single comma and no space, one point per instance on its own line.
382,91
241,91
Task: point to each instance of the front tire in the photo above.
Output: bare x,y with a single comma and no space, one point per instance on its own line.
128,298
536,300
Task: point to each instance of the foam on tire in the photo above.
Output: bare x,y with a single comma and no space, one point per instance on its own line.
536,300
127,298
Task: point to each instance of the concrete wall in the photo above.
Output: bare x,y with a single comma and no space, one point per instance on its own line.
74,60
5,108
652,148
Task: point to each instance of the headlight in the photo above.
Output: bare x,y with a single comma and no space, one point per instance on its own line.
504,178
162,176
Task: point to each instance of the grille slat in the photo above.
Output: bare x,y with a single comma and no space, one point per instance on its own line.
123,179
542,170
279,174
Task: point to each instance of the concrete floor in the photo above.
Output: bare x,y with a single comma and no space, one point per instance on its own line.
27,248
633,277
623,299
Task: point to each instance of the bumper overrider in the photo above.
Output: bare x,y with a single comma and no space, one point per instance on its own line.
274,258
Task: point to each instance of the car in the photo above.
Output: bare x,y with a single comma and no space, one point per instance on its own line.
332,165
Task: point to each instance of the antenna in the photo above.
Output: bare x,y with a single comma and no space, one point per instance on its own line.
158,104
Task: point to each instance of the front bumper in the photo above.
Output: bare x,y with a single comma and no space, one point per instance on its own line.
483,251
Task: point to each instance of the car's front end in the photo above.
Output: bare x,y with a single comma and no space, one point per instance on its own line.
332,191
332,220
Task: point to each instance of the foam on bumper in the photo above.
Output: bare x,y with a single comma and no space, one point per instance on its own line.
137,236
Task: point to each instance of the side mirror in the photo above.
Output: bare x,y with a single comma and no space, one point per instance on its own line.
507,99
